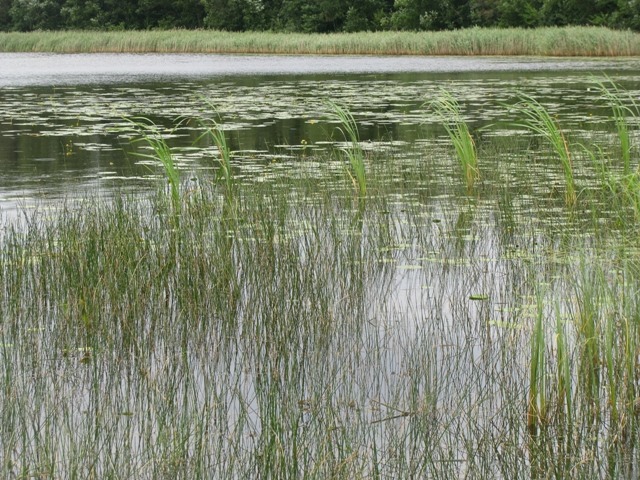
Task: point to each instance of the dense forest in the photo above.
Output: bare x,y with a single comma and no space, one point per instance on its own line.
313,15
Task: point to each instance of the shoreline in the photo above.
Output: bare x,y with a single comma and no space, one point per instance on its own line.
481,42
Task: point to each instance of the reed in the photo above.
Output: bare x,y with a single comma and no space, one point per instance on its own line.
554,41
564,376
225,170
537,416
448,111
624,108
588,328
162,154
539,120
316,338
353,152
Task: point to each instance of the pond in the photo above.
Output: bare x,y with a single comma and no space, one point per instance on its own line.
64,127
288,318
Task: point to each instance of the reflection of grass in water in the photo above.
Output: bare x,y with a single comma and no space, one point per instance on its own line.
315,338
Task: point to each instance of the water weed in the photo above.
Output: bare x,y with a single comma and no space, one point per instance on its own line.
538,119
448,111
154,139
624,109
353,152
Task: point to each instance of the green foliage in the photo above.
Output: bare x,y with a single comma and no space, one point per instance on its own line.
448,111
234,15
353,152
161,152
484,13
36,15
319,16
430,14
5,17
519,13
538,119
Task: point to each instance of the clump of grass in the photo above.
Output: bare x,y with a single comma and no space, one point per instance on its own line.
151,135
588,328
448,111
623,106
225,170
354,153
537,417
563,376
539,120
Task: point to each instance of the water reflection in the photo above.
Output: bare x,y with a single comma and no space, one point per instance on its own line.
56,138
21,69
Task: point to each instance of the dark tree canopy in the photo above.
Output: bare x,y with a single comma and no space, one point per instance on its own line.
322,16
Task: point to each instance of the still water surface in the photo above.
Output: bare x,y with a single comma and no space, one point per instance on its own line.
64,128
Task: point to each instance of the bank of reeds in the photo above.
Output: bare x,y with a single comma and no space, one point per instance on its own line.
553,41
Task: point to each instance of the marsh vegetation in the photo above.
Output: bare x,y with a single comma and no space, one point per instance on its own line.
544,41
358,314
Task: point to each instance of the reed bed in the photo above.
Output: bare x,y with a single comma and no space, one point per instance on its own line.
308,334
552,41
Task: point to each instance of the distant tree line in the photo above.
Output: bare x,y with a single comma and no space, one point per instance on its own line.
313,15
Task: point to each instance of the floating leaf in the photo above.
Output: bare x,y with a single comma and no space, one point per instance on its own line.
479,297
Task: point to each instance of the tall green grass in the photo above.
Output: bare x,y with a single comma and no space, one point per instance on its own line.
426,336
151,135
537,415
353,152
225,169
624,109
538,119
619,179
448,111
565,41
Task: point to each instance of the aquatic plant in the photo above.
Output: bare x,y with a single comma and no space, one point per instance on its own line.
554,41
564,375
354,153
537,415
623,107
311,337
448,111
225,170
539,120
155,139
